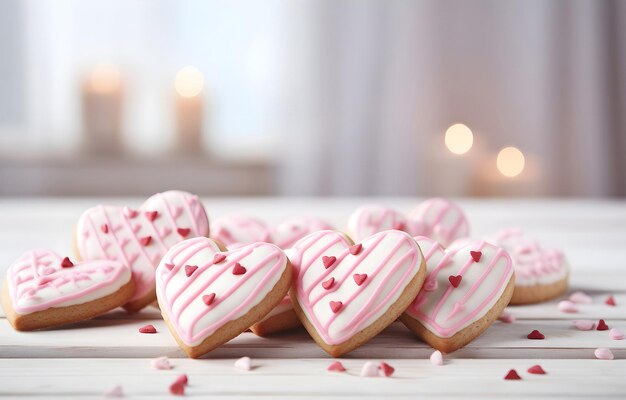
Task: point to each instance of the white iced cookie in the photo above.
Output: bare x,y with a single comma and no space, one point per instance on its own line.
371,218
287,233
439,219
236,230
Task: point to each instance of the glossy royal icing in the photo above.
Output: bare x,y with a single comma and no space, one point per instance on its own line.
287,233
439,219
371,218
236,230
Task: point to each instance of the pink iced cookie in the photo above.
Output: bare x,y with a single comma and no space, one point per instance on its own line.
237,230
208,295
139,238
370,219
43,289
343,289
540,274
439,219
465,290
287,233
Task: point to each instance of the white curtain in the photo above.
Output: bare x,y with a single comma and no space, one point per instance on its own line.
376,84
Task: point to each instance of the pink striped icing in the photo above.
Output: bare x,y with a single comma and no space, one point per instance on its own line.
391,259
439,219
36,281
121,240
533,263
180,296
236,230
369,219
445,310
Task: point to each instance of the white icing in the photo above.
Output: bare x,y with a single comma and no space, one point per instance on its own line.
283,306
288,232
265,263
371,303
369,219
237,230
78,284
440,220
488,285
533,264
121,243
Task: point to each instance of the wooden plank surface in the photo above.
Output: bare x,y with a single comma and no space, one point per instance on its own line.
84,359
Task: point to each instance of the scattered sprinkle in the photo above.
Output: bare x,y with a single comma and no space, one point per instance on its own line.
356,249
335,306
369,369
66,263
610,301
476,255
506,317
190,269
177,388
183,378
244,364
161,363
616,334
146,240
218,258
580,298
455,280
386,369
584,324
567,306
602,326
105,228
239,269
184,232
603,353
336,367
328,261
512,375
169,266
536,369
436,358
208,299
152,215
536,335
359,278
148,329
328,284
114,391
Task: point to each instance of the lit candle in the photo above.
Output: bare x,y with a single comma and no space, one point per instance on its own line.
189,110
102,97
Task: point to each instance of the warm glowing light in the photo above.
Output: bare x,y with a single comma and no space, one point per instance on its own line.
510,161
459,139
189,82
105,79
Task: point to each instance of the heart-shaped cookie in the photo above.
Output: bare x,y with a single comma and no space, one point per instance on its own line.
208,295
139,238
287,233
371,218
466,288
43,289
346,293
236,230
439,219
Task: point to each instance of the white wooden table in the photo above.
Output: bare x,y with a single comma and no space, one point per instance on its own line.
86,359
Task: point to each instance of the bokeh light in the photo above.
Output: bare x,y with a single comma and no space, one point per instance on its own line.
459,138
189,82
510,161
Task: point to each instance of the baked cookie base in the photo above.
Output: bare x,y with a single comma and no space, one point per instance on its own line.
539,293
281,322
366,334
465,335
235,327
56,316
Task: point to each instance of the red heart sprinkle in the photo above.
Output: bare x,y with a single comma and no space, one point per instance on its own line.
328,261
455,280
328,284
512,375
208,299
536,335
476,255
386,369
356,249
336,366
536,369
190,269
610,301
66,263
152,215
239,269
177,388
182,379
336,306
145,241
183,231
359,278
105,228
218,258
169,266
399,226
602,326
147,329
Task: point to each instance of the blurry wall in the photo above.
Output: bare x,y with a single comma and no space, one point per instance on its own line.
312,97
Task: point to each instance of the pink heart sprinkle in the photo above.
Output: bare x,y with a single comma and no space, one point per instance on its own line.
335,306
218,258
114,392
476,255
130,213
190,269
567,307
386,369
536,369
148,329
208,299
616,334
162,363
584,324
328,284
359,278
328,261
356,249
336,367
580,298
369,369
436,358
506,317
603,354
244,364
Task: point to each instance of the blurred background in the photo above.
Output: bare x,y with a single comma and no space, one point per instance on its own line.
313,97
